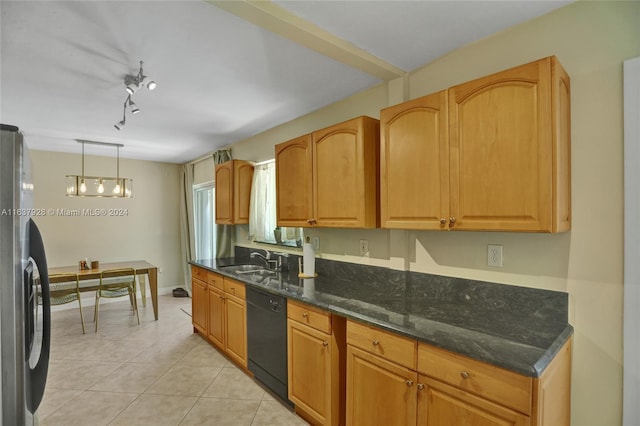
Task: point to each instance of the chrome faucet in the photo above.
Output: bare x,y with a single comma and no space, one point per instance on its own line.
265,257
279,265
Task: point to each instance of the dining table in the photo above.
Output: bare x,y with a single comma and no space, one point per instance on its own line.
142,268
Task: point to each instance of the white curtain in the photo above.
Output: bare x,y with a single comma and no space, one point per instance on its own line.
262,217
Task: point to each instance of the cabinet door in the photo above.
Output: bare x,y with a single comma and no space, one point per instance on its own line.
309,369
216,316
414,164
345,174
199,305
242,179
294,198
440,405
379,392
236,329
224,193
501,150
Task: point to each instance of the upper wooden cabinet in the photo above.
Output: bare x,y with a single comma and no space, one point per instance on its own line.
330,177
414,163
233,192
506,151
294,193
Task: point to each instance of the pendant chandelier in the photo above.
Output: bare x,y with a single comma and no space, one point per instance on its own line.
99,186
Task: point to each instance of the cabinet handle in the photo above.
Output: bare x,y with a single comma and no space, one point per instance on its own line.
221,297
443,221
375,342
305,315
311,221
325,344
420,386
409,382
452,219
464,374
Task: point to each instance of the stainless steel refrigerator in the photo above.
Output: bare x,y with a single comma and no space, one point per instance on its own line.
24,332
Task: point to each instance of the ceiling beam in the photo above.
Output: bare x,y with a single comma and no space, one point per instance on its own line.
278,20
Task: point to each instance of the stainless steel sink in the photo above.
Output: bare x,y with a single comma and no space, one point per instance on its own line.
248,269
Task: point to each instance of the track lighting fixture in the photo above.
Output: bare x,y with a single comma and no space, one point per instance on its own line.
131,84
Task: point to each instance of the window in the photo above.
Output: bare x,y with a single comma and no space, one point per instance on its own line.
204,211
262,218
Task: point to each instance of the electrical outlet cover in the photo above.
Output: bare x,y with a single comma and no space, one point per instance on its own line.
494,255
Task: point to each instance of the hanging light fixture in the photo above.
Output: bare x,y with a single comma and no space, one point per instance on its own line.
132,83
99,186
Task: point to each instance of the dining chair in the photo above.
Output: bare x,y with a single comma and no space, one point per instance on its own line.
64,288
117,283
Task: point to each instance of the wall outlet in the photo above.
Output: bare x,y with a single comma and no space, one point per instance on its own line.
494,255
364,247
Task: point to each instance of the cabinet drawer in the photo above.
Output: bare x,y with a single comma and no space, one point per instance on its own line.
502,386
199,273
234,288
392,347
215,280
309,315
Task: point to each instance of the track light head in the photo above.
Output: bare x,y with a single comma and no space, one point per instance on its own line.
132,106
148,83
119,125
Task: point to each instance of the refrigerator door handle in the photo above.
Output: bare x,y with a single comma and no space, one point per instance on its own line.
37,376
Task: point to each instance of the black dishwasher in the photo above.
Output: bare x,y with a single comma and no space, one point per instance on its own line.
267,340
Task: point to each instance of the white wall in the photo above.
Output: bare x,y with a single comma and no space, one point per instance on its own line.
591,40
149,231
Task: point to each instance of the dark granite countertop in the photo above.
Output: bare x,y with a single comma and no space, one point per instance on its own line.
516,328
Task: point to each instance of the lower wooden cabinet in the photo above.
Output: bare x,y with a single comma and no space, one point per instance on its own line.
199,305
387,386
440,404
216,321
219,313
316,360
379,392
345,372
236,328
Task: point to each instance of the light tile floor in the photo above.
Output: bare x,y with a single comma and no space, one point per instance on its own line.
157,373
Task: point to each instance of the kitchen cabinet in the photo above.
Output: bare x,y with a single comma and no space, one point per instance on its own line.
392,379
219,313
199,306
233,192
381,377
294,182
316,363
216,321
235,321
501,164
330,177
379,392
414,164
441,404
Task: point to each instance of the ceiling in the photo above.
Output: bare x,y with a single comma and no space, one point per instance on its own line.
226,70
